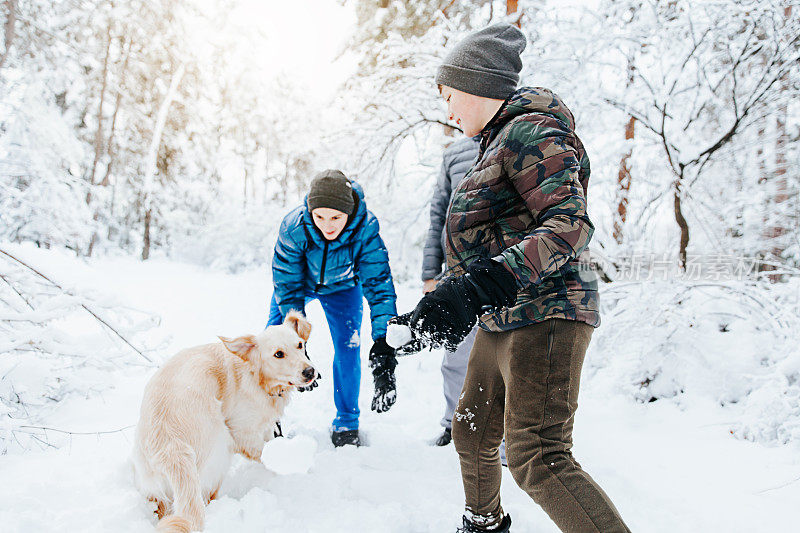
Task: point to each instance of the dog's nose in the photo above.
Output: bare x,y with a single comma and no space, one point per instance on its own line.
309,373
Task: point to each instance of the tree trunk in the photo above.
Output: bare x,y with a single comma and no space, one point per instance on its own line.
244,192
9,29
110,148
624,174
285,185
117,101
679,218
781,161
146,243
152,155
266,174
624,185
98,137
765,181
158,130
760,158
779,189
511,8
111,209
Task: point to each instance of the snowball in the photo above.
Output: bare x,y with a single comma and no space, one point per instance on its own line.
397,335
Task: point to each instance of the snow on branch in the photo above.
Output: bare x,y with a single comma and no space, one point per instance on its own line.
55,342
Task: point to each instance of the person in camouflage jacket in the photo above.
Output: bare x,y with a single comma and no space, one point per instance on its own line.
533,165
517,240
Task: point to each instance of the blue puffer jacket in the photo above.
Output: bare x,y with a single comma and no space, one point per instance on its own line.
306,262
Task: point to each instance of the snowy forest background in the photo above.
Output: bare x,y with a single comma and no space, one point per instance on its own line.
156,131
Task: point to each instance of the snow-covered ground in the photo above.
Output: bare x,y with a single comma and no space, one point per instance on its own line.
668,465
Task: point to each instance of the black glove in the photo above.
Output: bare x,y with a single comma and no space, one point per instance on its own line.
382,362
415,345
445,316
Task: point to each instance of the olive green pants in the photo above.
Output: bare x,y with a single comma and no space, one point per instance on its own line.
526,382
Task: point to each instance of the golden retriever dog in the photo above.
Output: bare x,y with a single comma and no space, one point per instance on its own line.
207,403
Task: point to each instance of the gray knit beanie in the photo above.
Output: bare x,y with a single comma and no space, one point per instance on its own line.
485,63
330,188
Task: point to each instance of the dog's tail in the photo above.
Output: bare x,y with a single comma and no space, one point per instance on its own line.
187,503
174,524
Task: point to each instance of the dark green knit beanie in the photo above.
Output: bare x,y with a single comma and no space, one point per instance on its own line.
330,188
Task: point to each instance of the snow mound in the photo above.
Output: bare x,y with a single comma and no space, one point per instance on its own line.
735,343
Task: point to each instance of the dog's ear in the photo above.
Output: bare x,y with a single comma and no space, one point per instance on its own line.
299,323
240,346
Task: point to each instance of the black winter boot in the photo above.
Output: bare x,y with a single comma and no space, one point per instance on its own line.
445,438
469,527
344,438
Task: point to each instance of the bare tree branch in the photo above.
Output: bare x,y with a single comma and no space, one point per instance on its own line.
9,28
56,285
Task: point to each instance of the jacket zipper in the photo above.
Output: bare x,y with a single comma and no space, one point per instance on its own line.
322,269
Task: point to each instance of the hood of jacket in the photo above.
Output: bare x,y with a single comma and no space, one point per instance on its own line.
523,101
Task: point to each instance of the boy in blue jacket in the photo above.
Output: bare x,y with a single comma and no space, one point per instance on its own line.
330,249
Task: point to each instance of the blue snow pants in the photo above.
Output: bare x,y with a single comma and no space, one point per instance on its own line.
343,311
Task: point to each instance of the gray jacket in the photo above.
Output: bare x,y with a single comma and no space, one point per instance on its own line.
457,159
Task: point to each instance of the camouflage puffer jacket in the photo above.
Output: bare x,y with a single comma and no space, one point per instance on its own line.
524,203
